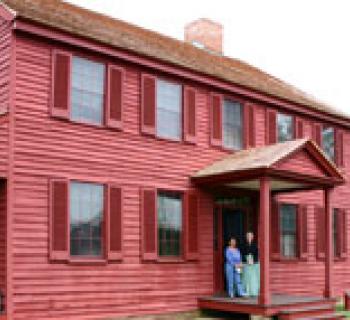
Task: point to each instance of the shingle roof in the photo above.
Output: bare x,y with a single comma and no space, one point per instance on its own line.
259,158
82,22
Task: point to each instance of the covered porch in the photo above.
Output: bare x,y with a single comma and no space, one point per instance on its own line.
268,171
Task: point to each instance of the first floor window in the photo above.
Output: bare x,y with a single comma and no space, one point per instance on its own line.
288,227
169,110
86,216
285,127
87,90
232,125
169,224
328,142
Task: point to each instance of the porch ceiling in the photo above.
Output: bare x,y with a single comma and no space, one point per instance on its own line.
292,165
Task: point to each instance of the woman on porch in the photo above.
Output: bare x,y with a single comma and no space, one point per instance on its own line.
233,269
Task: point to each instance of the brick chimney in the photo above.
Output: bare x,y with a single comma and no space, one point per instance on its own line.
205,34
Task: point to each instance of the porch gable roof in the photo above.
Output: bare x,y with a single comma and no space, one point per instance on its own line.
299,160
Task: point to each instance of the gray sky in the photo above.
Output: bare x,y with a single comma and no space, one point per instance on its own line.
304,42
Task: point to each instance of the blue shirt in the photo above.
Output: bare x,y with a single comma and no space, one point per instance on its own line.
233,256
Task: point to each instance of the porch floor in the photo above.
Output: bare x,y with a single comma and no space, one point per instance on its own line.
279,302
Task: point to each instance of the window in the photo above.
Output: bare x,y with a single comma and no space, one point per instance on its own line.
285,127
87,91
328,142
86,216
169,110
232,125
169,224
288,227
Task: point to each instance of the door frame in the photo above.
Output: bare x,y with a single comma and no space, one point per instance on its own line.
218,257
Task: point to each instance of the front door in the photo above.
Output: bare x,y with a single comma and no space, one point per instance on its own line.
232,225
230,221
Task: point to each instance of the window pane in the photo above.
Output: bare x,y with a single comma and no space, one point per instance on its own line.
328,142
86,213
169,105
288,225
169,224
232,125
87,92
284,127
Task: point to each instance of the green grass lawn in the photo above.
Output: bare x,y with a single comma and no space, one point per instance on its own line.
340,310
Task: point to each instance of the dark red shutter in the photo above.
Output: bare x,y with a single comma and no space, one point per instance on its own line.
216,119
317,134
299,128
249,125
190,121
148,104
271,126
302,232
114,221
320,232
275,231
114,97
149,224
344,230
61,83
191,225
59,219
339,148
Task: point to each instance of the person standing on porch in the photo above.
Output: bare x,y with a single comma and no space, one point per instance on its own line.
233,269
251,269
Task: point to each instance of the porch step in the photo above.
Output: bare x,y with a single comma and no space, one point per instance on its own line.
312,312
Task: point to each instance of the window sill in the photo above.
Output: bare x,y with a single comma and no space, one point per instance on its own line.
288,260
88,261
171,260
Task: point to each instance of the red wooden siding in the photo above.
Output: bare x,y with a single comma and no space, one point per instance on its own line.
5,55
89,153
48,148
3,229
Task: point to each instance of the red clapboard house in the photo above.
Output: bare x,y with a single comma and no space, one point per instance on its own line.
128,158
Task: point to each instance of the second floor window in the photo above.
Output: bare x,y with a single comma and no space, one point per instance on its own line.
328,142
169,224
169,110
232,125
288,227
86,216
87,91
285,127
